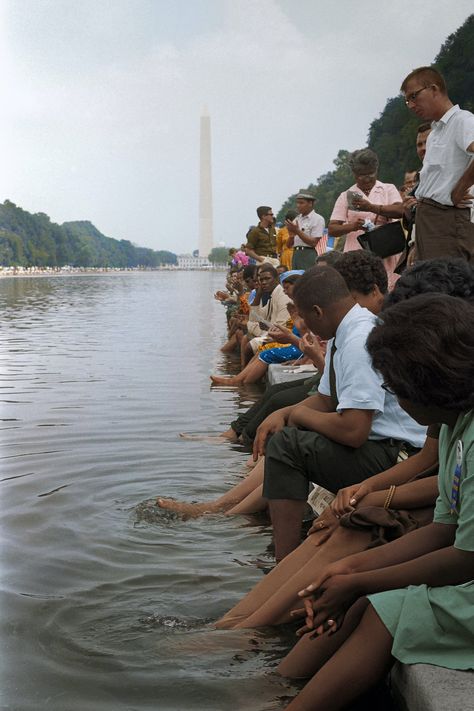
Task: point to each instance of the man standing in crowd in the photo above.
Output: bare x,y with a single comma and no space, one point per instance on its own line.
443,216
305,232
424,130
261,240
409,201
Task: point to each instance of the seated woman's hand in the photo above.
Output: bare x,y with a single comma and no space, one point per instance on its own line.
347,499
325,525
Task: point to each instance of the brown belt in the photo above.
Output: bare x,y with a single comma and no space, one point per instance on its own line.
433,203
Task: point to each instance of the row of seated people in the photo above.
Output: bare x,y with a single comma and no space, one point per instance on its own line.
265,325
387,568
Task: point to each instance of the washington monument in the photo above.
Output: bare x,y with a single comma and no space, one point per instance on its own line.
206,241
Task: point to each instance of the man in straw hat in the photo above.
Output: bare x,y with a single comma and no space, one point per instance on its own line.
305,232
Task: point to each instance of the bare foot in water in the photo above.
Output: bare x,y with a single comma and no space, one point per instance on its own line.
230,435
210,439
222,380
227,436
188,510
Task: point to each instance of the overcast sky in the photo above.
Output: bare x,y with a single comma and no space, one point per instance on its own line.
101,102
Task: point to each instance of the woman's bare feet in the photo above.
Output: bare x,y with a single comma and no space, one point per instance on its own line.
227,436
222,380
189,510
230,435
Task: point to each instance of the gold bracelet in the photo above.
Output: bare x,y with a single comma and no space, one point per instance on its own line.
389,497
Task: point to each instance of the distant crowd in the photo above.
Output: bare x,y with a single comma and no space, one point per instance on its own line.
363,440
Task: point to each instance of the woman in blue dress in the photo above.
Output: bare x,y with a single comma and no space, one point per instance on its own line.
410,600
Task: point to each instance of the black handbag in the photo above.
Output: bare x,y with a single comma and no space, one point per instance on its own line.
384,241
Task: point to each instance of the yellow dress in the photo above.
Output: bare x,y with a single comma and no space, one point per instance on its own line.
285,253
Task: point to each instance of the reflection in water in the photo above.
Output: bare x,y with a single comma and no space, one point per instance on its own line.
107,604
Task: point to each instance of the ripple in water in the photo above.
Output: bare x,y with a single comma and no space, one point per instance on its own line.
108,601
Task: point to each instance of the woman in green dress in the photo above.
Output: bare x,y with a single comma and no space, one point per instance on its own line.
419,588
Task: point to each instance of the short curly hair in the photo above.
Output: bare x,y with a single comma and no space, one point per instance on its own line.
321,286
328,258
451,276
363,161
362,270
424,350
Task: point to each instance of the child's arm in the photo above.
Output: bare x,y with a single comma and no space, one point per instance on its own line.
410,546
448,566
414,495
399,474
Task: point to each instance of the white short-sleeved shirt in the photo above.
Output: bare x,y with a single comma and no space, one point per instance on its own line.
312,225
359,386
447,156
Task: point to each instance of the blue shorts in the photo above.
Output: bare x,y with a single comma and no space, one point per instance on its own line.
280,355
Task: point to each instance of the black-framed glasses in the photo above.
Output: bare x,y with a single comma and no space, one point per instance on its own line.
388,389
411,98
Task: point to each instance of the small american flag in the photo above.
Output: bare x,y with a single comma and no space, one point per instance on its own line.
322,244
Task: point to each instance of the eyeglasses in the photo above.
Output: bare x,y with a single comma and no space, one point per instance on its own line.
388,389
411,98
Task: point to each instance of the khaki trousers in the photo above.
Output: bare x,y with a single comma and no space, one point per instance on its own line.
443,231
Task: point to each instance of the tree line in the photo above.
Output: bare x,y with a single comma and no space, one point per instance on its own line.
33,240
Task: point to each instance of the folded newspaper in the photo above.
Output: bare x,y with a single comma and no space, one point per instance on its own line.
320,499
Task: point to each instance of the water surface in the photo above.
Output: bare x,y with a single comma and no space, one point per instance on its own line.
102,608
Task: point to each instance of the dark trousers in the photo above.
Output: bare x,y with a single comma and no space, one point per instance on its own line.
304,258
274,398
294,457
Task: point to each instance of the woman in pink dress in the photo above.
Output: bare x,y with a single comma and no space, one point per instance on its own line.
368,198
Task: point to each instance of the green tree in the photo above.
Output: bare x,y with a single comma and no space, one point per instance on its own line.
219,255
327,189
33,240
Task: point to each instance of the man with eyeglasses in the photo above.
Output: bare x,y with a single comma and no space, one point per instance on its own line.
261,240
443,225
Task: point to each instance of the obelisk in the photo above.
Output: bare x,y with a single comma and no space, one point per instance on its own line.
205,188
